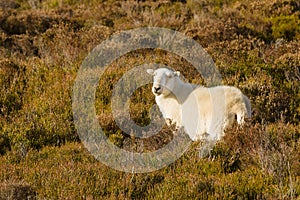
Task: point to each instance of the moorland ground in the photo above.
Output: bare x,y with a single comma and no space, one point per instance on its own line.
254,44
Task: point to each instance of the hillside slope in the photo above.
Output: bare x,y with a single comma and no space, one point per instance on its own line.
254,44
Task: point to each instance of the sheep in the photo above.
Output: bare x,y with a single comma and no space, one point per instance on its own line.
204,113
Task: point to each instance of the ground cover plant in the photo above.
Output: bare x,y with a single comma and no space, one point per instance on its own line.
254,44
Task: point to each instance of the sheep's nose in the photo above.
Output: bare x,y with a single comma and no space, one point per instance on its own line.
156,89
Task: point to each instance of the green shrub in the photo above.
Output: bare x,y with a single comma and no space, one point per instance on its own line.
13,84
4,143
41,115
287,27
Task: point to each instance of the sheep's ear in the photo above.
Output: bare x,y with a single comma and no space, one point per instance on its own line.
150,71
177,73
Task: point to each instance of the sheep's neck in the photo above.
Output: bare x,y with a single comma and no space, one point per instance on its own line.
183,90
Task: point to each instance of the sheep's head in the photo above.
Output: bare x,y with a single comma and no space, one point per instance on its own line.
163,81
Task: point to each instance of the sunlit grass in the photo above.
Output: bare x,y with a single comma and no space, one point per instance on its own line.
254,44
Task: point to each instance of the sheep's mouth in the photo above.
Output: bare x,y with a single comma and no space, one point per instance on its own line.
157,93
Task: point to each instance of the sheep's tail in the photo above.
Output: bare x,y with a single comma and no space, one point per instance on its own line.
248,105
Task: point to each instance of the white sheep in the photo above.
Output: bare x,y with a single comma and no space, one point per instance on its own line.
204,113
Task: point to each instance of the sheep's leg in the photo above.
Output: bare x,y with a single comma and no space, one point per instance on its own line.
206,148
228,122
240,117
168,121
206,145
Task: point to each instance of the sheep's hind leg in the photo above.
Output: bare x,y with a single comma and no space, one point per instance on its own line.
240,117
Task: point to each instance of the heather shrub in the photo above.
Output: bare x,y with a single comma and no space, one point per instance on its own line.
255,46
13,82
10,190
41,115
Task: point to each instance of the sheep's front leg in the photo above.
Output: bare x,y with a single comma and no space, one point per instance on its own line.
206,146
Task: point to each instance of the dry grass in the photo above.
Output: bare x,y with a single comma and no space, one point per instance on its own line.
255,45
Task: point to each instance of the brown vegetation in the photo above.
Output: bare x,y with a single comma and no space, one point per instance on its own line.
255,45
